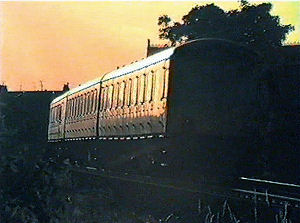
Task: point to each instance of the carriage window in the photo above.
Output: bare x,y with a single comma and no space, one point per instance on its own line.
138,89
60,113
70,113
88,101
133,91
67,107
105,93
121,94
102,99
86,109
144,87
128,92
125,99
57,115
149,86
75,101
107,97
160,83
153,86
141,90
115,95
54,114
75,106
79,105
95,101
110,96
70,108
83,104
92,101
165,83
136,80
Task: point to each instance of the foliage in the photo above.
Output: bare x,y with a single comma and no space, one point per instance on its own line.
27,115
29,186
28,190
252,25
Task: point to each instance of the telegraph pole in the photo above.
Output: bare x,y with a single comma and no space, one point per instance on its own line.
41,82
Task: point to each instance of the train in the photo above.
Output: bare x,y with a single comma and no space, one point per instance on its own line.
198,109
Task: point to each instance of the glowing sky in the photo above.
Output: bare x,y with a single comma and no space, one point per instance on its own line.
59,42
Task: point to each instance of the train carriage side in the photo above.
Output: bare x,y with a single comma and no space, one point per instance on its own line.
134,99
214,112
82,111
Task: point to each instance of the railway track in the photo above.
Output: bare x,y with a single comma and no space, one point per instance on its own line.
264,192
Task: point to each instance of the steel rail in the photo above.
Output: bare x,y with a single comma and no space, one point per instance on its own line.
235,193
270,182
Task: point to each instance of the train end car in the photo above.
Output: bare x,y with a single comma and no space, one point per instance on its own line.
56,125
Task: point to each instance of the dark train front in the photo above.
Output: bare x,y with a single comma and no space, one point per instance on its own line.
196,110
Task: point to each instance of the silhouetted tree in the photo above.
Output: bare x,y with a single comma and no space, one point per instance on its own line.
252,25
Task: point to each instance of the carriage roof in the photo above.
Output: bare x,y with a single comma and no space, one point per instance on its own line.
151,60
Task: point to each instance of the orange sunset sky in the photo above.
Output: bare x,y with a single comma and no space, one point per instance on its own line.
59,42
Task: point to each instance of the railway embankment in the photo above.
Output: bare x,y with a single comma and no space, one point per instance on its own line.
93,197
